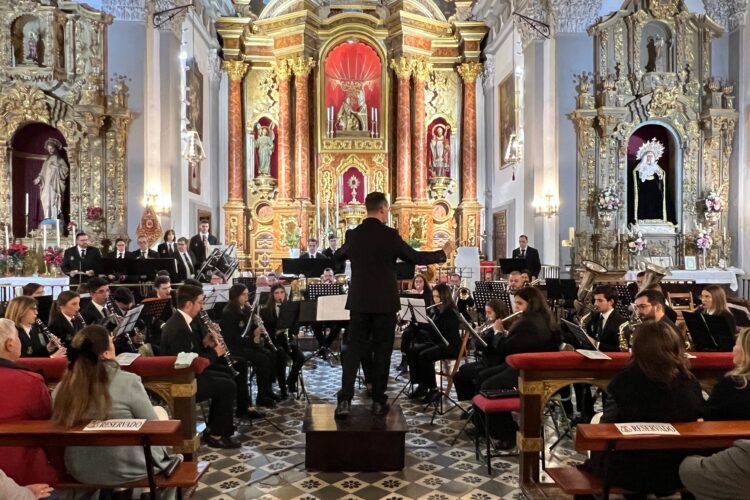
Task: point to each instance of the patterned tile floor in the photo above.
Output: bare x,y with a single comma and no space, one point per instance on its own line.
270,464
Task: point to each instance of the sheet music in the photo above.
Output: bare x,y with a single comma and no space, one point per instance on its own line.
588,353
332,308
420,311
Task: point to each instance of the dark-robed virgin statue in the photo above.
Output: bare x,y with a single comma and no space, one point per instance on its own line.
650,183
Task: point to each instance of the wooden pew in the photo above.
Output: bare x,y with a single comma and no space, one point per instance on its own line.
606,437
176,387
543,374
45,433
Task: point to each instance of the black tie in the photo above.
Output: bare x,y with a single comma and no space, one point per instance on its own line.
170,248
119,256
600,326
143,255
83,254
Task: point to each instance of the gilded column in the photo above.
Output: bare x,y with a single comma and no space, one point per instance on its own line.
236,71
283,73
302,68
469,72
403,67
422,70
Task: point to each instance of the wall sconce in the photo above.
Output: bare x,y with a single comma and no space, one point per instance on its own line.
158,204
548,207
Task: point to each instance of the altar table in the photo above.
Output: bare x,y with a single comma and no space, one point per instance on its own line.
11,285
705,276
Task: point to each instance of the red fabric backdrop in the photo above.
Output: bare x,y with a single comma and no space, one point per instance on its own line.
29,140
353,61
353,172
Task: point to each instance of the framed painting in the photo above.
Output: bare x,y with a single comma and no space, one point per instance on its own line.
507,122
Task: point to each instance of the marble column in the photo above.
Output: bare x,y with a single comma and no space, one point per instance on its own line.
422,70
236,71
302,68
469,72
283,72
403,67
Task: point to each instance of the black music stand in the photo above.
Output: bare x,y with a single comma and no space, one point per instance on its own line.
582,340
308,267
154,307
709,332
622,305
110,265
507,266
482,295
316,290
43,307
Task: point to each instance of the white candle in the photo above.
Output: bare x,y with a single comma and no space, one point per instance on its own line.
57,232
571,233
7,237
27,203
44,237
317,211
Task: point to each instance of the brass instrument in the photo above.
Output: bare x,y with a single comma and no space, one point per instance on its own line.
625,330
653,276
215,332
51,337
298,289
586,288
533,283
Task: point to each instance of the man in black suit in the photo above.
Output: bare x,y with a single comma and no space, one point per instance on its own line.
372,247
312,250
143,252
524,251
199,243
333,245
186,262
95,313
183,334
80,261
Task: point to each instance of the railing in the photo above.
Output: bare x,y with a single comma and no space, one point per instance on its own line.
743,287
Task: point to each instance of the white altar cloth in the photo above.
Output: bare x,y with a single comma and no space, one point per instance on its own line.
52,285
706,276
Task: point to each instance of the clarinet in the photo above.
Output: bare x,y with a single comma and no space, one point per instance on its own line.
214,330
51,337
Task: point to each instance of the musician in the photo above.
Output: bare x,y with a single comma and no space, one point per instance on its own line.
33,290
286,345
168,248
312,250
272,278
465,379
199,243
372,247
162,289
419,286
234,322
217,278
143,251
531,255
333,245
261,281
121,250
123,300
516,281
328,277
671,313
186,261
23,312
64,318
181,333
714,303
604,323
80,261
650,304
464,304
534,331
655,386
95,311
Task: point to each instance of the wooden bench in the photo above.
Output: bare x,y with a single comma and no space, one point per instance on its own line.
46,434
176,387
606,438
543,374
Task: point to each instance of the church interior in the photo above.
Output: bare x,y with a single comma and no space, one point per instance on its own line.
586,152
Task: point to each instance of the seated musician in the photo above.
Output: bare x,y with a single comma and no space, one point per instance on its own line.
217,278
325,341
604,324
272,278
730,397
285,342
651,305
655,386
534,331
183,334
33,290
516,281
23,312
419,286
463,303
714,303
95,312
25,397
64,318
234,322
162,289
465,379
422,357
92,388
671,313
261,281
135,341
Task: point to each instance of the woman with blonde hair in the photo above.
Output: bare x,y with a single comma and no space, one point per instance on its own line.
730,397
94,388
22,311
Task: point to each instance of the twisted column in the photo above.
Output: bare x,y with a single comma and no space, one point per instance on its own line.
283,73
403,67
236,71
469,72
302,68
422,70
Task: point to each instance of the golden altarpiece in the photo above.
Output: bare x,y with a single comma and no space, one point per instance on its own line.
329,100
655,130
53,91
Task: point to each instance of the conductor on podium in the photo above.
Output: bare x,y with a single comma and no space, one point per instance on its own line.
372,247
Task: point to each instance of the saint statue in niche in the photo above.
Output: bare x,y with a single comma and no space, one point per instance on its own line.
51,179
352,115
32,43
649,183
655,54
440,148
264,144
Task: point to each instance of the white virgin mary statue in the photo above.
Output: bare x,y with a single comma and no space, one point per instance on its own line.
51,180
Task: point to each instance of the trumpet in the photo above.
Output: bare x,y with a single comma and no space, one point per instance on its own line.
49,335
215,332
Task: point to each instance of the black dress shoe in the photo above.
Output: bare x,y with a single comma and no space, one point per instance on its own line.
292,388
226,442
266,403
380,409
284,395
255,414
277,397
418,393
343,408
432,396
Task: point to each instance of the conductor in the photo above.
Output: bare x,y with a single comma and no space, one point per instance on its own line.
372,247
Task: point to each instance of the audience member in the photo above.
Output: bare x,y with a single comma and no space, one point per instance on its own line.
730,397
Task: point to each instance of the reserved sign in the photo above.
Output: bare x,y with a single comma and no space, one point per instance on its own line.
116,424
646,428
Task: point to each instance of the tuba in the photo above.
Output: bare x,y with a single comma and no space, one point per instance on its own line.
586,288
653,276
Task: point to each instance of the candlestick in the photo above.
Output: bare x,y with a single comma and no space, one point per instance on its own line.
44,237
571,233
57,232
328,225
317,212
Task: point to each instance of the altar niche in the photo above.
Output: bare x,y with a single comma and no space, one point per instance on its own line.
653,175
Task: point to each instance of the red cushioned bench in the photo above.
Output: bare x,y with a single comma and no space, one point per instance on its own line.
488,407
176,387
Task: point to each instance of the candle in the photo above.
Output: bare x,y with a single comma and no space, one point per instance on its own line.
7,237
317,211
57,232
44,237
571,233
27,203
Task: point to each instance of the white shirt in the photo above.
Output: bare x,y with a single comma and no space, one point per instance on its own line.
605,317
187,317
81,250
120,255
99,308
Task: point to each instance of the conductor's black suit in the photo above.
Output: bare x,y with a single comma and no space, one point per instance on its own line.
372,247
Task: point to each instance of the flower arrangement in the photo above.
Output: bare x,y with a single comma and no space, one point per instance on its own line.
636,242
53,256
15,254
702,238
291,238
607,200
94,213
712,202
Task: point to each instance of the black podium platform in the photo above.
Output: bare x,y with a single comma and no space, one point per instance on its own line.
361,442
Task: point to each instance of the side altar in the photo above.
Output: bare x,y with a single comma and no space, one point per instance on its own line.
329,101
655,132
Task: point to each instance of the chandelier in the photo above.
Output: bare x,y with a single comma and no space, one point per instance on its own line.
193,151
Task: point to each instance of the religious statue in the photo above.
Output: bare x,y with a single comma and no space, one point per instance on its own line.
655,54
264,144
31,47
352,115
649,183
440,148
51,180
